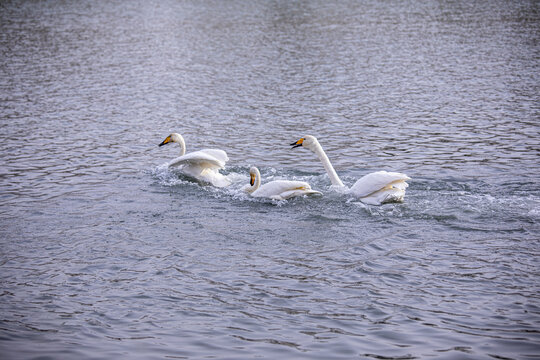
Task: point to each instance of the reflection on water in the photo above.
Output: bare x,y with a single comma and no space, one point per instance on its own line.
105,253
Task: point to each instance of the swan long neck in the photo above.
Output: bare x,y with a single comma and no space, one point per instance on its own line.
334,178
180,140
257,180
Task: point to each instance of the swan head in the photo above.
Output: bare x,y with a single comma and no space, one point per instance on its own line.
307,141
254,180
253,175
174,137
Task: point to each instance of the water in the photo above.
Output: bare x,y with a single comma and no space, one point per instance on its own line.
105,254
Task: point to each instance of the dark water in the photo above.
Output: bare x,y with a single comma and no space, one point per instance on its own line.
104,254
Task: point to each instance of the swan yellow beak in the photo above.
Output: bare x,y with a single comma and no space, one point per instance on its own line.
166,141
298,143
252,179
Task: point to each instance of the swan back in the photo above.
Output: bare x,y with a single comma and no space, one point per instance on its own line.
282,188
376,181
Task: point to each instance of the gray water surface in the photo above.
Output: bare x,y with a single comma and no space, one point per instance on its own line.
107,254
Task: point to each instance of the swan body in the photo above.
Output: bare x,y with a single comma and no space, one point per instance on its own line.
203,165
277,189
375,188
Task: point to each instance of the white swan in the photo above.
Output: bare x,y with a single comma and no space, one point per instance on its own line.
374,189
277,189
203,165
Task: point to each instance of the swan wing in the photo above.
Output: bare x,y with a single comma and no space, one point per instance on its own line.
378,181
201,159
283,189
217,154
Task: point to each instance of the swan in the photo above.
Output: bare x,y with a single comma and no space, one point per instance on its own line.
203,165
277,189
374,189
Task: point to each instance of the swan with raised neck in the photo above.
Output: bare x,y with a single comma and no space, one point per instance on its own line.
375,188
312,144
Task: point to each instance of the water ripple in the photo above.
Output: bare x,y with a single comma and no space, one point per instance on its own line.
105,252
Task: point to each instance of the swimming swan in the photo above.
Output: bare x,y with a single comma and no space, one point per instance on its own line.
277,189
203,165
374,189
